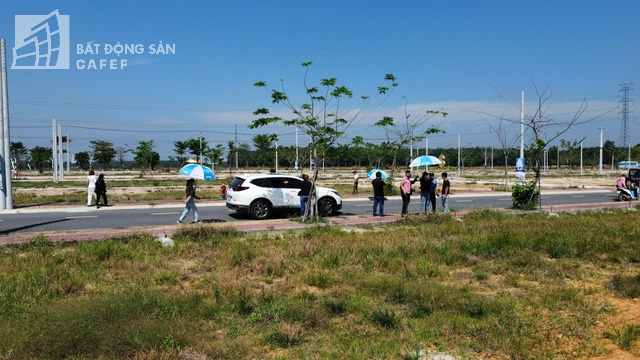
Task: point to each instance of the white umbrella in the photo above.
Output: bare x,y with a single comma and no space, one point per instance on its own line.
425,161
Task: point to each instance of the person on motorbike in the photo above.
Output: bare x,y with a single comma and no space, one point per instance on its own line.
622,182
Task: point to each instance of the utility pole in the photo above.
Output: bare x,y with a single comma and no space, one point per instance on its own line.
60,150
276,153
236,145
458,154
54,152
310,155
6,199
200,157
522,124
485,159
581,156
296,164
491,159
68,154
558,158
600,170
426,150
625,131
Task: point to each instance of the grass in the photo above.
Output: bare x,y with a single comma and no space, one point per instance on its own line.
80,196
491,285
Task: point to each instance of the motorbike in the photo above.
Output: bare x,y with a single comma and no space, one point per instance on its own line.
629,194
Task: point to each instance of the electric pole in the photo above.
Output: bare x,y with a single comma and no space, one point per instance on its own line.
68,154
600,169
236,145
200,157
276,153
581,173
60,151
296,164
54,149
6,200
458,154
625,131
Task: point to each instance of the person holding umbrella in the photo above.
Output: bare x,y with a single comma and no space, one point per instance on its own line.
190,204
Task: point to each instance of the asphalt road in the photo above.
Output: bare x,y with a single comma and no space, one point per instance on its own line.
80,218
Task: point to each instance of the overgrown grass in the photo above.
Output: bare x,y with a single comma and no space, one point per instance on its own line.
490,285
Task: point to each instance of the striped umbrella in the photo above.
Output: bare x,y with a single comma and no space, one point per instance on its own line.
372,174
425,161
197,171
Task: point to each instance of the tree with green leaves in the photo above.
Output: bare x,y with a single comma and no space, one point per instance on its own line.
197,146
83,160
19,153
325,117
41,158
180,149
145,156
103,152
214,153
263,144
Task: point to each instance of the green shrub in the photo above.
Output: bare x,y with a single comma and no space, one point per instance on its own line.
525,196
626,286
386,318
624,337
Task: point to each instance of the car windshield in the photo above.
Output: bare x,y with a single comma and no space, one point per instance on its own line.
634,173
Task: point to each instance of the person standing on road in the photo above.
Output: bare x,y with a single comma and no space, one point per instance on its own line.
305,191
190,202
378,194
405,191
446,187
355,183
101,191
432,191
91,189
425,186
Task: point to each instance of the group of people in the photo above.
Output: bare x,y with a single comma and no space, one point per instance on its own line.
428,192
96,189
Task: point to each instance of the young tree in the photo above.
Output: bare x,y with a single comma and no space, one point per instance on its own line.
83,159
214,153
180,149
41,158
506,143
408,131
263,144
197,146
324,117
19,153
145,156
570,148
103,152
121,150
231,155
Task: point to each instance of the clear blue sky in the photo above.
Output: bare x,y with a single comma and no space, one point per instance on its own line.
442,52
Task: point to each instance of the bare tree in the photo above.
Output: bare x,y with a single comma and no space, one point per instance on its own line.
506,143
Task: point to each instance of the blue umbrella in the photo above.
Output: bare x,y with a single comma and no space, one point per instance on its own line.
372,174
197,171
425,161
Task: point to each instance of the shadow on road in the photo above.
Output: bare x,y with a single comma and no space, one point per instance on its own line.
211,221
9,231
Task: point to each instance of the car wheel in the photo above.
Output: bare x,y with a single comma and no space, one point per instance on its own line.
326,207
260,209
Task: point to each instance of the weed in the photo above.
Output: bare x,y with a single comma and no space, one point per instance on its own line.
626,286
625,337
386,318
320,279
166,277
335,305
280,339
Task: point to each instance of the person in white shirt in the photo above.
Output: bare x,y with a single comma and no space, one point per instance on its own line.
355,183
91,189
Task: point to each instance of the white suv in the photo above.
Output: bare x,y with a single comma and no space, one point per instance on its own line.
260,194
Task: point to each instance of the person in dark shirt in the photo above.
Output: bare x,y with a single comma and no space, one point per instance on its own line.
446,187
101,191
378,194
433,186
425,186
305,191
190,202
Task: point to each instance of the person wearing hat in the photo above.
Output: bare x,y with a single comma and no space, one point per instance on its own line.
223,192
355,182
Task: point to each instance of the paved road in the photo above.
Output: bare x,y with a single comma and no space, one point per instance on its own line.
79,218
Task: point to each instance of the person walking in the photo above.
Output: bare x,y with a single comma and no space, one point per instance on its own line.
433,191
101,191
223,192
355,183
190,202
91,188
378,194
425,186
405,191
446,187
305,191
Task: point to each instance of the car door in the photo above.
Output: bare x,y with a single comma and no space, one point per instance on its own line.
291,187
273,190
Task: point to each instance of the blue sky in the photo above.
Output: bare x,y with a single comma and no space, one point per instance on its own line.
445,54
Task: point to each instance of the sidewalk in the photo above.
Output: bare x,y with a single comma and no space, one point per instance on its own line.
278,225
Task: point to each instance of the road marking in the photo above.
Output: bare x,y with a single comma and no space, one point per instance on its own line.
166,213
82,217
1,220
459,201
576,196
365,205
504,199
